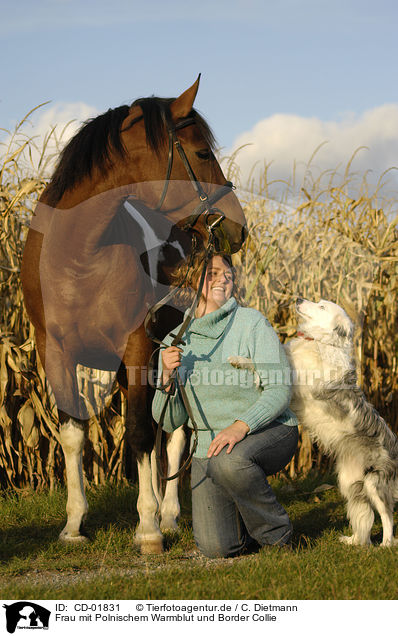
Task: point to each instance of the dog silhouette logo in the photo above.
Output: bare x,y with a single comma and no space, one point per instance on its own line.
26,615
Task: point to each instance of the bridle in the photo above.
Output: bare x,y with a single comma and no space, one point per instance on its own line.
206,207
206,202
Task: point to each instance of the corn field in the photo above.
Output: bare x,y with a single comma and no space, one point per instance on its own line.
330,244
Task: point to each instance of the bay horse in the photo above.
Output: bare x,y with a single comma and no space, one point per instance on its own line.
113,222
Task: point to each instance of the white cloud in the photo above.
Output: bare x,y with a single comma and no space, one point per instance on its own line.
60,114
65,119
50,126
284,139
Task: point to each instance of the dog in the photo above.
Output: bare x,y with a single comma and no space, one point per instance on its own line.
333,409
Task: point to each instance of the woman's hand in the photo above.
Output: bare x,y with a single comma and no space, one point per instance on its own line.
230,435
171,359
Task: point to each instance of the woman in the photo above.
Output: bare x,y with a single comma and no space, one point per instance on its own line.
246,432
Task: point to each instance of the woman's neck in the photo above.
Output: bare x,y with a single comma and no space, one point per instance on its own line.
207,307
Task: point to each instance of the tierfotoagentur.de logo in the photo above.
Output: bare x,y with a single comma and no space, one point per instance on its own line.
26,615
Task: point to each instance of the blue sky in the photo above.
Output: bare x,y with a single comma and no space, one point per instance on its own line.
319,65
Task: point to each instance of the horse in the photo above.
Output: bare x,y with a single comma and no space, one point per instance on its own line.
119,213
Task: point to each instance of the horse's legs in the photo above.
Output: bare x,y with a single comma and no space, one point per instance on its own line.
147,534
61,374
141,437
170,507
72,442
157,490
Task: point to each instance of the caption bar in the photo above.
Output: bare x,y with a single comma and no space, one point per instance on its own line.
149,612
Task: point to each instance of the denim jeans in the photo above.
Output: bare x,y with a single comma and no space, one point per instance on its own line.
232,502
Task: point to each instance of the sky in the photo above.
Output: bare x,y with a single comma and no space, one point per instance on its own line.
279,77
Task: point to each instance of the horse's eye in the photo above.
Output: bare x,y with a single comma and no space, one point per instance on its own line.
204,154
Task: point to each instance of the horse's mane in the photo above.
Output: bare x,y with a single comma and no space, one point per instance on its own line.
100,137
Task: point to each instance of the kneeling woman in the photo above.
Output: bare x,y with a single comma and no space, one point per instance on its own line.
246,432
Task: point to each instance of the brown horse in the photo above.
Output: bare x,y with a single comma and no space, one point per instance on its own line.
107,232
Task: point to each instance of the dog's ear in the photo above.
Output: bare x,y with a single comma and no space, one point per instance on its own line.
344,327
341,331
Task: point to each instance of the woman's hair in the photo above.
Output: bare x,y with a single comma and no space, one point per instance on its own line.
187,277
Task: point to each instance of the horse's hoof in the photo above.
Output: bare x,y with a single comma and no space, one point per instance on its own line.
152,546
169,526
69,538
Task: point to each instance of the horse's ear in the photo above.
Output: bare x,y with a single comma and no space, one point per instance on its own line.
182,106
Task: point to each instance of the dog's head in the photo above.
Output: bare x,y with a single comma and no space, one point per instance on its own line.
324,321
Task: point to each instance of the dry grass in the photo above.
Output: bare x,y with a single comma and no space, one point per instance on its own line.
331,244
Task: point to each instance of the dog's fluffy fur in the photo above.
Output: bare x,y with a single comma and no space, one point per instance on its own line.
331,406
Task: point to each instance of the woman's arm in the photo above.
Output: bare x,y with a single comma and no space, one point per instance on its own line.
230,436
175,415
271,363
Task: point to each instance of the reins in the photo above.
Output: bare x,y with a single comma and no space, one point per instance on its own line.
175,381
206,207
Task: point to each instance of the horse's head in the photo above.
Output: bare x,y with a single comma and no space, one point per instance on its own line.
157,152
174,171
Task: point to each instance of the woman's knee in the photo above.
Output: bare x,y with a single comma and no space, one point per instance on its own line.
214,549
227,468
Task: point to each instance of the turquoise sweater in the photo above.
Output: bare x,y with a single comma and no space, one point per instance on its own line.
218,393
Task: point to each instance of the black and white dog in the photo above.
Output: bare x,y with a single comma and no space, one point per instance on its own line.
331,406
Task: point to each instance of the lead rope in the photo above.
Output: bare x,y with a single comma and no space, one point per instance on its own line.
205,206
175,381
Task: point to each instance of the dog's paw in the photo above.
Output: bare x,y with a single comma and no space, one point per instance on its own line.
389,543
239,362
353,540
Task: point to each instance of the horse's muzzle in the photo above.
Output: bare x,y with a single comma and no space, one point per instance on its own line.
222,240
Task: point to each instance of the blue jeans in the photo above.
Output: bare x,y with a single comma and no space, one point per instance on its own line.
232,502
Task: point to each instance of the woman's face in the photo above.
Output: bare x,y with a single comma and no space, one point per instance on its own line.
218,283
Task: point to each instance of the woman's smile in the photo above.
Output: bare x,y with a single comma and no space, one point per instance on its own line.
218,286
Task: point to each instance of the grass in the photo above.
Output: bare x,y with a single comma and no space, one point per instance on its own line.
35,565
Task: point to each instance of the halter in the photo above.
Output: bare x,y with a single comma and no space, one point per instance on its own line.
205,206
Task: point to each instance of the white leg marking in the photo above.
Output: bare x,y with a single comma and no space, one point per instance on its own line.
156,480
170,508
72,442
147,534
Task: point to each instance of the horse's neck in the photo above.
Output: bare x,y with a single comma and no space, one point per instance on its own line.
79,221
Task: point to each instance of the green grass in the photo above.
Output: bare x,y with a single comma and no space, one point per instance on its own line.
35,565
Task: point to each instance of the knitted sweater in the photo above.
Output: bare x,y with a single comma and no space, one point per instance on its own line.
218,393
